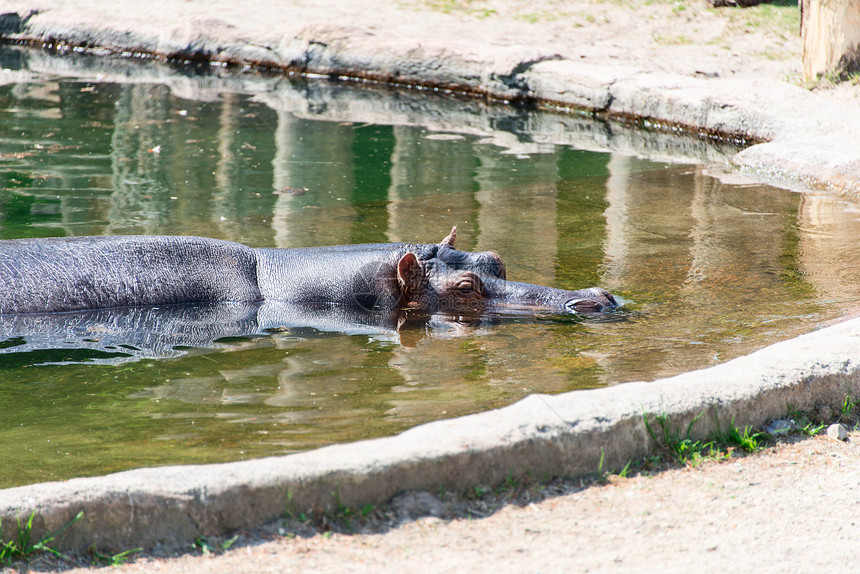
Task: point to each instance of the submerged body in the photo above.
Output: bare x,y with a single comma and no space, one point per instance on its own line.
73,274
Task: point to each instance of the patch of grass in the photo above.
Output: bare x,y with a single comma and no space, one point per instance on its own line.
207,547
774,55
22,547
289,512
825,80
747,439
805,425
847,409
679,40
543,16
478,491
802,82
470,7
603,475
342,513
682,448
510,488
340,518
101,559
780,18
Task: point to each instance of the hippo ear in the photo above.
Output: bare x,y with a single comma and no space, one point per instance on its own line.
451,238
410,277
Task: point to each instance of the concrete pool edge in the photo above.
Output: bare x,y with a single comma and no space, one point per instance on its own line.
561,435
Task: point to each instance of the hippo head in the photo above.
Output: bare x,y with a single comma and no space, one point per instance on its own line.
463,283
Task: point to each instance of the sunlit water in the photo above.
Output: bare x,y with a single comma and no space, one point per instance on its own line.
709,270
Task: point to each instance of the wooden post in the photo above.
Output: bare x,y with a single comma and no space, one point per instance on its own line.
830,33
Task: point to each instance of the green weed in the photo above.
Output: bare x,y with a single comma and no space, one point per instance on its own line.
100,559
510,481
342,512
512,485
342,515
805,425
847,408
206,547
683,448
289,511
602,474
229,542
747,440
22,546
201,543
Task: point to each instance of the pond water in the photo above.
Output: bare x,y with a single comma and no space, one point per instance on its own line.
710,269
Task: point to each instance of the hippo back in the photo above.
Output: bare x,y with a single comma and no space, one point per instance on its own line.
67,274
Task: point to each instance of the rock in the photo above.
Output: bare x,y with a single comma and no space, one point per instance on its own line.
414,505
780,427
837,432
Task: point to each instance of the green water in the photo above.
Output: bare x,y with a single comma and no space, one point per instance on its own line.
711,270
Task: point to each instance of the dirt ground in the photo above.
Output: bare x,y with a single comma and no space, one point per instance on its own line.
792,508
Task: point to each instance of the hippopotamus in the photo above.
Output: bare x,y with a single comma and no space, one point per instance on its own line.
84,273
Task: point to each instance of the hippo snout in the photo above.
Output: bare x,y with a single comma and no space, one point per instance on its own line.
514,295
592,300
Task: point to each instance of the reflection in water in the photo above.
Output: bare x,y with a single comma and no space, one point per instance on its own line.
711,270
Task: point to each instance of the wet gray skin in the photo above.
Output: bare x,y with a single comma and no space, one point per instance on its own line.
72,274
525,296
484,263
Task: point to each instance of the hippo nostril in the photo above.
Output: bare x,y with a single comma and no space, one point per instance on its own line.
580,305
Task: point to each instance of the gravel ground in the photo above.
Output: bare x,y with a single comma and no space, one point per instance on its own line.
793,507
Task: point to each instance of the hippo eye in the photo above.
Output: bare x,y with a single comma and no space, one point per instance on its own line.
469,284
